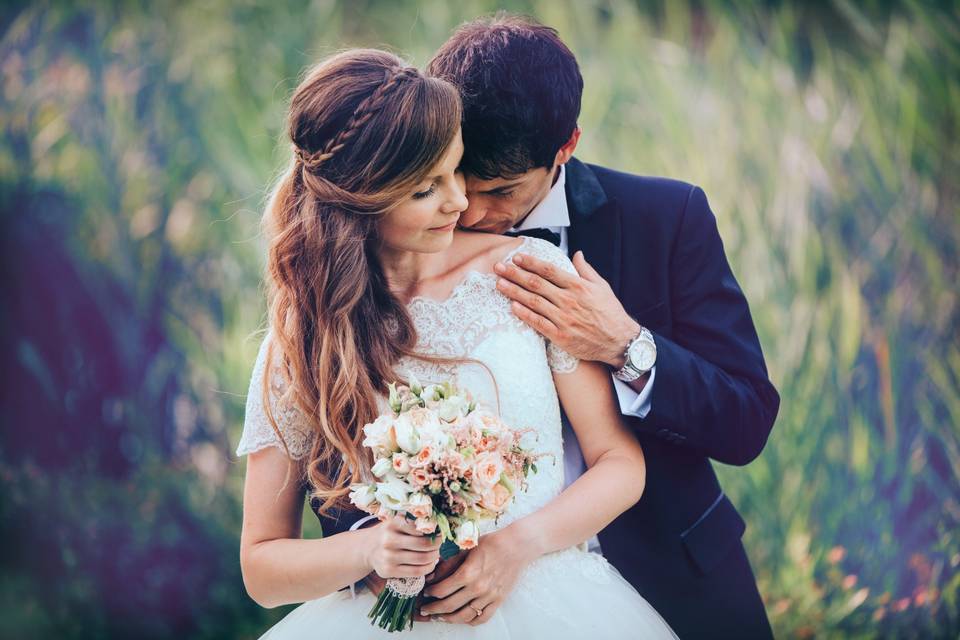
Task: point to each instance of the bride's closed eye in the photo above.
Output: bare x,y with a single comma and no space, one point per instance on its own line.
419,195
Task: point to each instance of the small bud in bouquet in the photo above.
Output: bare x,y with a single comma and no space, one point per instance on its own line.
445,463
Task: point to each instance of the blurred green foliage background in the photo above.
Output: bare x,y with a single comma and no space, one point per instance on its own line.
138,142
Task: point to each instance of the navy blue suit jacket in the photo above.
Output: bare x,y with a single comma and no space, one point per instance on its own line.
656,242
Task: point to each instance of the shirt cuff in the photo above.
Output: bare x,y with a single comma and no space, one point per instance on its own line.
633,403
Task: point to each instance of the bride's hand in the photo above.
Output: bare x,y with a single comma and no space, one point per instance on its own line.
376,584
486,577
398,550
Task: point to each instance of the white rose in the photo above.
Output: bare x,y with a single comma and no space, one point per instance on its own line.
393,492
381,467
380,435
408,438
451,408
433,434
468,534
363,496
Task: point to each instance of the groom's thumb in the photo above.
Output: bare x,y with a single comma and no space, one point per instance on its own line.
584,269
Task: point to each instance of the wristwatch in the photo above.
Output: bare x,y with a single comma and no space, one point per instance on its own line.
641,355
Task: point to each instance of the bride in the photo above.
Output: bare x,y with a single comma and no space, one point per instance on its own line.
370,281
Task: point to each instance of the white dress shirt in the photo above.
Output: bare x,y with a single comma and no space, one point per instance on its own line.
553,213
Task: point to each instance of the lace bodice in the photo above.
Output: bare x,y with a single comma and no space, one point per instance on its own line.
474,322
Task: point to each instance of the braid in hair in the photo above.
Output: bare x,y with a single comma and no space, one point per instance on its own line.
367,108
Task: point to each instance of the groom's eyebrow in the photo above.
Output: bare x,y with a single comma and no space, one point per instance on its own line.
501,188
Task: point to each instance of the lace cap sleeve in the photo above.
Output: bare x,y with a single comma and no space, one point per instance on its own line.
258,433
560,361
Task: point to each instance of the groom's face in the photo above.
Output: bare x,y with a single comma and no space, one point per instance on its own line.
499,204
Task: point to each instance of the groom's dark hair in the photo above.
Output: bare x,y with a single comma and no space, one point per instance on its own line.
521,90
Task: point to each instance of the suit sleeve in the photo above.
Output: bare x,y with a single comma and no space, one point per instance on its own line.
712,388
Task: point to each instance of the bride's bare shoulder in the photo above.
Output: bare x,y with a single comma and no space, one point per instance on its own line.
485,248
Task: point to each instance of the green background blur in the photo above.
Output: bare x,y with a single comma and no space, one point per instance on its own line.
137,145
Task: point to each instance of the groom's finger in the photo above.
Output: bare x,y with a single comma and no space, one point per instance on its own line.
537,322
533,301
546,270
529,281
585,269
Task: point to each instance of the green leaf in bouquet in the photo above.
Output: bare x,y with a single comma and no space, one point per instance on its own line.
448,549
444,525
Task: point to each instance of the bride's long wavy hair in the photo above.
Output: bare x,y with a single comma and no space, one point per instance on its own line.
366,129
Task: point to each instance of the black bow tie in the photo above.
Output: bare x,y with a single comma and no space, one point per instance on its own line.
542,233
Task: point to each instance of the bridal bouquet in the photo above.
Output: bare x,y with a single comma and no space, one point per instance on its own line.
445,463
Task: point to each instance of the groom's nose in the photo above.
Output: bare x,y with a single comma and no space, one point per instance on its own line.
473,214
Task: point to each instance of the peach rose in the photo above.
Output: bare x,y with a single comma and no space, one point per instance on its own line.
419,506
401,463
419,477
426,526
468,534
423,457
487,470
487,443
496,499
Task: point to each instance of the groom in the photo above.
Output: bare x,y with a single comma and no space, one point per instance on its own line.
655,299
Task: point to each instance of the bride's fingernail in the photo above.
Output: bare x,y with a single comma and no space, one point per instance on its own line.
499,268
438,619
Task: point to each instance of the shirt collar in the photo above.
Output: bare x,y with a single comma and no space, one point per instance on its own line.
552,212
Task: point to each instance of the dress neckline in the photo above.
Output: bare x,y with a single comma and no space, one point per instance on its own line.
471,276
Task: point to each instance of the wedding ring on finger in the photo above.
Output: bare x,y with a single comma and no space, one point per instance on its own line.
477,611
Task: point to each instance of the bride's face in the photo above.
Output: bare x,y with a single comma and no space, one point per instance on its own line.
425,220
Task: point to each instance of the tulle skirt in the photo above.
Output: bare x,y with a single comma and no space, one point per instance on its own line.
568,594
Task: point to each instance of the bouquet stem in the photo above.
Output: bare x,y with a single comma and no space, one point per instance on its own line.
393,609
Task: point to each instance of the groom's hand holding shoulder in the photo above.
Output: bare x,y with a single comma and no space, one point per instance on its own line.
579,313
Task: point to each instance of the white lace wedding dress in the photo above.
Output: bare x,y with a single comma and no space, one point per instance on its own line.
568,594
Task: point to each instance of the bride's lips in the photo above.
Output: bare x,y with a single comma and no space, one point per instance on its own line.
442,229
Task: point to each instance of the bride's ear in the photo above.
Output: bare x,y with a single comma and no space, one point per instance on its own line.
566,151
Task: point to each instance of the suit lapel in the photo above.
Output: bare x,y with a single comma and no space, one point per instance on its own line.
594,222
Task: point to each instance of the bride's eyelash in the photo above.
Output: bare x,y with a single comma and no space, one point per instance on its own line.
420,195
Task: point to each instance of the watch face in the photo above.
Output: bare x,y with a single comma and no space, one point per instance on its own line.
643,354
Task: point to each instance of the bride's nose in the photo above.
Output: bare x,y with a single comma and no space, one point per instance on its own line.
457,199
